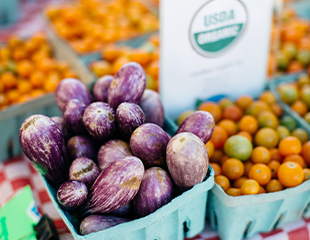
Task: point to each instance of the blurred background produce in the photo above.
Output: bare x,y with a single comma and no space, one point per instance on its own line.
28,69
89,24
114,56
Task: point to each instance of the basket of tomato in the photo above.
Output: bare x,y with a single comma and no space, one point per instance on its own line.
84,27
30,70
259,154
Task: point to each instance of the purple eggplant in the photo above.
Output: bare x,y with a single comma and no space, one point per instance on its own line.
111,150
128,85
200,123
73,116
125,211
70,88
84,170
129,116
99,120
82,146
187,160
155,191
61,124
72,194
149,142
101,88
97,222
115,186
152,107
42,142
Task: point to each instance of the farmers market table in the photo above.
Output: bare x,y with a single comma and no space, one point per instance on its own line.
18,172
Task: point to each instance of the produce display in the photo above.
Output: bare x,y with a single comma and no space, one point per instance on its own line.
112,162
293,54
89,24
255,148
297,95
28,70
114,56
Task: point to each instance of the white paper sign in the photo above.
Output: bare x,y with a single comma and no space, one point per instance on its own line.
212,47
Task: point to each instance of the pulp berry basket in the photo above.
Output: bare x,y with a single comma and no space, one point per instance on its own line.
241,217
183,217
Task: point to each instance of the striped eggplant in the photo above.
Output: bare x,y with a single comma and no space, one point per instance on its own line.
73,116
129,116
61,124
82,146
42,142
99,120
155,191
72,194
115,186
101,88
84,170
200,123
71,88
128,85
98,222
149,142
111,150
152,107
187,160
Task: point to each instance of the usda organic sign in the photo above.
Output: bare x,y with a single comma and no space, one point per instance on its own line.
216,26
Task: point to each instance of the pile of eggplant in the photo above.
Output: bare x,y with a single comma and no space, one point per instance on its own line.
108,156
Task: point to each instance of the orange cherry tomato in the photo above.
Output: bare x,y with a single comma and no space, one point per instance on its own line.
222,181
234,192
219,137
245,134
210,148
260,155
216,168
233,113
261,190
248,124
306,174
261,173
295,158
229,126
238,182
213,108
244,102
290,174
289,145
275,155
217,156
305,152
274,186
249,187
223,159
274,166
233,168
247,167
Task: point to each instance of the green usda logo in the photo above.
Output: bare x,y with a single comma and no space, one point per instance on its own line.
216,26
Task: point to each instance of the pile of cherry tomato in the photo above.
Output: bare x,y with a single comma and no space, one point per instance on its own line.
297,95
28,70
293,54
114,57
89,24
255,148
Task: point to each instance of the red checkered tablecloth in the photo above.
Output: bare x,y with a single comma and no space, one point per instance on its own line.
19,172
